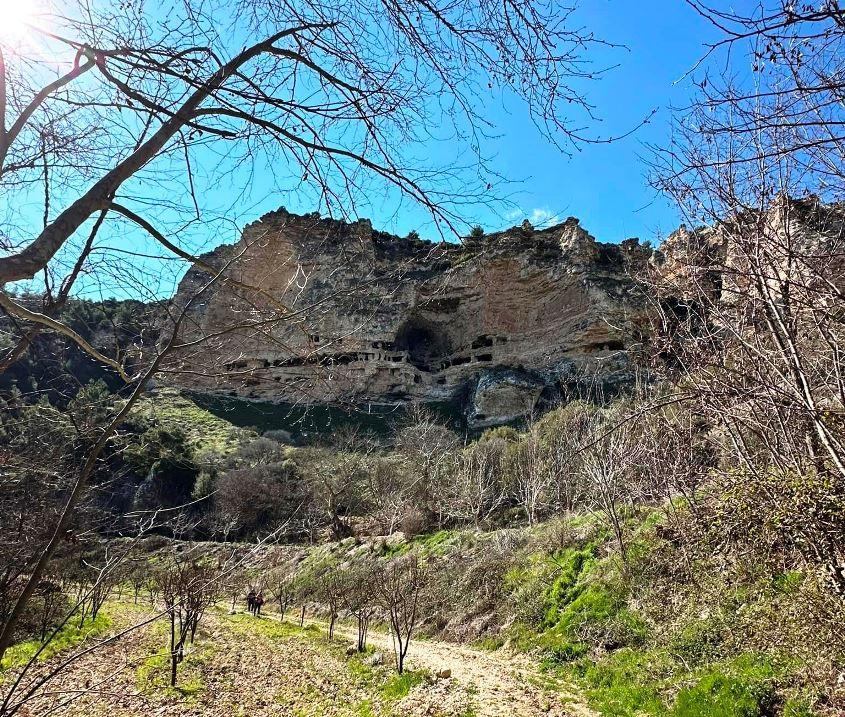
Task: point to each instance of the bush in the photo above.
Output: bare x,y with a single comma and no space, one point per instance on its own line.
414,522
699,641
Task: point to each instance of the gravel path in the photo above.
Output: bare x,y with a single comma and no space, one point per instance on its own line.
503,685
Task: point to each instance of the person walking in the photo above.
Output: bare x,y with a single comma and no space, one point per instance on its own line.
250,601
259,601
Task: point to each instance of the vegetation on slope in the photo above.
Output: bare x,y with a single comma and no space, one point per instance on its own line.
642,637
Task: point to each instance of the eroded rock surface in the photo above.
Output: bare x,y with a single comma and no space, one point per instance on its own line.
317,310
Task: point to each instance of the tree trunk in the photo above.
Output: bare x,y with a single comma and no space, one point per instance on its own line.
362,632
174,661
400,656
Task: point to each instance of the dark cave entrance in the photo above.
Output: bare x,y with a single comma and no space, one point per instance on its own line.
425,345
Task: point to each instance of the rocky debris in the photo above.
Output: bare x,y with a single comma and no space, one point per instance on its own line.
376,659
439,699
444,673
394,540
482,325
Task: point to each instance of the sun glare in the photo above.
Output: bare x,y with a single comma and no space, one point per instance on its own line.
17,18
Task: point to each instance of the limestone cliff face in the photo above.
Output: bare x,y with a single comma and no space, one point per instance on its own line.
339,311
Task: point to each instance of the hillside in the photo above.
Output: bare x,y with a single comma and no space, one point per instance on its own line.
535,621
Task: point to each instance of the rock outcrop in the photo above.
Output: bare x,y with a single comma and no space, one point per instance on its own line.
315,310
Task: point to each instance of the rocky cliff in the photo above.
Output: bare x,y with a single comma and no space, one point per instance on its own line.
315,310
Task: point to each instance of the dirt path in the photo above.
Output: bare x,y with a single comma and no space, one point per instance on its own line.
240,666
247,667
502,684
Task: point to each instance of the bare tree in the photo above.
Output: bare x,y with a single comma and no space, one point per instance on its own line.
388,490
187,585
399,585
479,483
336,479
429,449
529,476
283,590
358,600
748,306
331,591
562,435
609,464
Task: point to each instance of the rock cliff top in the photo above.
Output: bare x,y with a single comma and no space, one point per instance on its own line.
497,325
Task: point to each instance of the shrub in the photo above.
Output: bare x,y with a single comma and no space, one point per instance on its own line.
699,641
414,522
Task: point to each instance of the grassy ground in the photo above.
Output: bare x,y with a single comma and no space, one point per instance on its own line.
642,640
205,431
239,665
69,636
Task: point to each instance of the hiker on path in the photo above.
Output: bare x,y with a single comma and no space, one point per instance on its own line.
259,601
250,601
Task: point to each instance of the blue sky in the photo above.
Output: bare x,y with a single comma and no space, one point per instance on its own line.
604,185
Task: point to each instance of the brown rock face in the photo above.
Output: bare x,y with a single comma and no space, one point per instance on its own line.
498,324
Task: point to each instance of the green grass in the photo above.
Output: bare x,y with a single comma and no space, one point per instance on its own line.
718,695
625,683
205,431
385,686
397,686
272,628
153,674
68,637
365,709
582,601
431,545
594,622
631,682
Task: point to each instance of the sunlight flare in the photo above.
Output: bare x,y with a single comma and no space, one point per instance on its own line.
17,18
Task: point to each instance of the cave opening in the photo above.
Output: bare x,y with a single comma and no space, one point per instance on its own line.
425,345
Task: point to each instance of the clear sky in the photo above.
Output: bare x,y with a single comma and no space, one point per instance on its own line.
605,185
